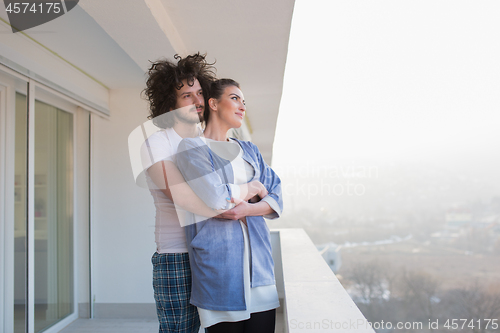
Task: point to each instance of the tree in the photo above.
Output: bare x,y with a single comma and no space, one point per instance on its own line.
419,292
370,284
475,302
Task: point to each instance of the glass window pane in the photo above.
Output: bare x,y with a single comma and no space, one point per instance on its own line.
53,215
20,215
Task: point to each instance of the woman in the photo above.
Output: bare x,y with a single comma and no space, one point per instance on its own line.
232,266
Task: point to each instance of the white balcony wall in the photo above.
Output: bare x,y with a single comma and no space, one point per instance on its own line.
122,214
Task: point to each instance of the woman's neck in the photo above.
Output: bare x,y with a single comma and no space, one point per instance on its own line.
216,131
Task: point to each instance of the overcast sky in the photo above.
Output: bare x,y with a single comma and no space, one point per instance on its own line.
391,80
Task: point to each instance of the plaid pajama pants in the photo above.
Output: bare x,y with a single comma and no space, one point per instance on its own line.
172,290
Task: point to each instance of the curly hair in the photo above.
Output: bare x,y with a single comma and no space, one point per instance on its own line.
165,78
217,88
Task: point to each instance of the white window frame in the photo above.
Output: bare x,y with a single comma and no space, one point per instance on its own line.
3,140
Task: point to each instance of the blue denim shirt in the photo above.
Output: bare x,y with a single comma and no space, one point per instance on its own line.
216,246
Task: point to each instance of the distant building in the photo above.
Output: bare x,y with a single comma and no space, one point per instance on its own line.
456,218
486,222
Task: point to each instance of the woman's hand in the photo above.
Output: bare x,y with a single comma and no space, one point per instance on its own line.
254,199
256,188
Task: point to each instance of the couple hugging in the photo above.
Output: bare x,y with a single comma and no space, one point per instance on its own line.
213,263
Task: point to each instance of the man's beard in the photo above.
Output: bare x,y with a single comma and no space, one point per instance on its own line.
183,115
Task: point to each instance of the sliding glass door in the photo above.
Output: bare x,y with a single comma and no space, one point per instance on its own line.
53,215
39,232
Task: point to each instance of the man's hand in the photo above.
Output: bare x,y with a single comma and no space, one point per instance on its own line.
239,211
255,207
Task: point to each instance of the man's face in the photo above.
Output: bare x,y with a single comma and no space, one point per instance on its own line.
190,103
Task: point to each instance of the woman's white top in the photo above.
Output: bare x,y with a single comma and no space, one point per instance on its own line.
257,299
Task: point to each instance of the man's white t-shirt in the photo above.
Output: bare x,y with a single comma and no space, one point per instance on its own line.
169,235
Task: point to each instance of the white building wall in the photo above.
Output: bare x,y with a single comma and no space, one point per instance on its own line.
122,213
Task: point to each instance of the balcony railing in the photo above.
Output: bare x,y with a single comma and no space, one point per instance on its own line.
312,298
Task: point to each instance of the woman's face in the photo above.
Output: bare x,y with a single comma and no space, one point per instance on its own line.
230,107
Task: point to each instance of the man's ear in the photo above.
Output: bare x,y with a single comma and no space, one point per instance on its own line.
212,104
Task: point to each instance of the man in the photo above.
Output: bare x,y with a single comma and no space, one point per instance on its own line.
175,93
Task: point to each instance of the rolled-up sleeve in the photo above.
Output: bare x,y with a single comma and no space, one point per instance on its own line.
274,206
235,191
272,183
195,162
